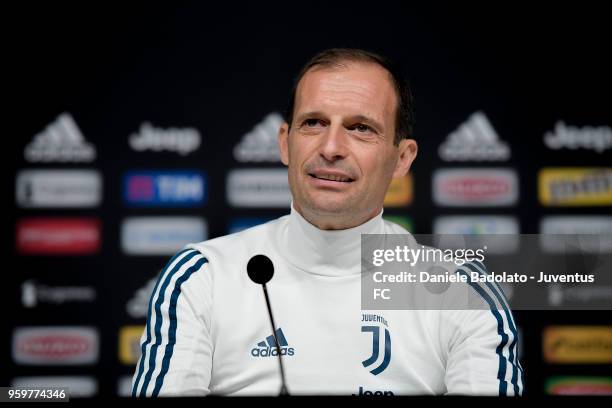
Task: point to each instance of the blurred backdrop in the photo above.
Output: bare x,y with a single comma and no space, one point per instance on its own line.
137,128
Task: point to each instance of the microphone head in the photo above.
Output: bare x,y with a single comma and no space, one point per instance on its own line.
260,269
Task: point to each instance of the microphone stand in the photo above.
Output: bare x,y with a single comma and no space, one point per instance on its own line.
283,390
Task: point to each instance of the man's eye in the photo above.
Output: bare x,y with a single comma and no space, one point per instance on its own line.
311,122
360,127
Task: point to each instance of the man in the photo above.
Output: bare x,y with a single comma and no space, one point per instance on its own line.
346,136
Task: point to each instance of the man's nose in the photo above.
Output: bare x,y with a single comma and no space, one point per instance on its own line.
333,144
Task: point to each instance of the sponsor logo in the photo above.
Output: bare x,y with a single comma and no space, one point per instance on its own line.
261,143
129,344
399,192
61,141
160,235
378,343
558,295
55,345
400,220
240,224
367,393
476,224
58,236
34,294
570,137
124,386
180,140
258,188
474,140
164,188
579,386
587,233
58,188
575,186
267,347
475,187
137,306
578,344
78,387
451,227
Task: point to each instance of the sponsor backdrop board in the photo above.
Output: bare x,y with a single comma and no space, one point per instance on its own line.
162,130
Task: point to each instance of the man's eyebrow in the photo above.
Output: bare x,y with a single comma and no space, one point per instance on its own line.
355,118
309,114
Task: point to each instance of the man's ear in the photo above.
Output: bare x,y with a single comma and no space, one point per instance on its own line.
283,143
407,153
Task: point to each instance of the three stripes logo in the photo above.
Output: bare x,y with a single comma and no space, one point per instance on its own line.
261,143
377,344
267,347
474,140
61,141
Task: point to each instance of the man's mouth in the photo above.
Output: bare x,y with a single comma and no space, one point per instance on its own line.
332,177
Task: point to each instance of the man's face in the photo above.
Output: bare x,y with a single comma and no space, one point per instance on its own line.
339,149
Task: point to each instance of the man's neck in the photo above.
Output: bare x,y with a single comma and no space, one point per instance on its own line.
334,221
324,252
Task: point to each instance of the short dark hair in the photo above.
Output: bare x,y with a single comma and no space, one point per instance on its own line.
333,57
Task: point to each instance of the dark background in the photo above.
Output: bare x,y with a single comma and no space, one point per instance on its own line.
223,68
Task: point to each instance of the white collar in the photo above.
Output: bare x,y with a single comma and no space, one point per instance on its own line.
325,252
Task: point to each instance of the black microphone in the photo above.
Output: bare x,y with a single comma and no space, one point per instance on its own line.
261,269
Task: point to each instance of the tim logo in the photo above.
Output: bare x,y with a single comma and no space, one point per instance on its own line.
267,347
377,344
167,188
